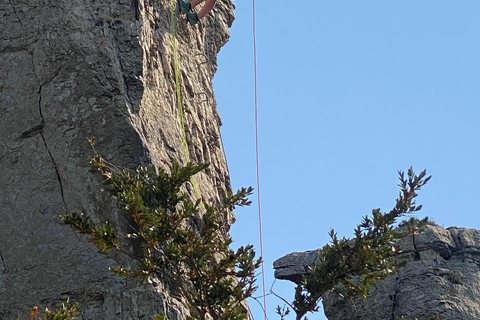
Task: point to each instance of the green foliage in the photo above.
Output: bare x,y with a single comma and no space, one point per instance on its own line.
64,311
186,239
282,312
102,235
351,266
415,225
160,317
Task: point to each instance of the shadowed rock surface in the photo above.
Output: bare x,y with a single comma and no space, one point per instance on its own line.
442,277
70,70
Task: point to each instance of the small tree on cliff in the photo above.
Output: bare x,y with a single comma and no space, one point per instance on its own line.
351,266
64,311
184,239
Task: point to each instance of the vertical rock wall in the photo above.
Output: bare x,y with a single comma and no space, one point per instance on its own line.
74,69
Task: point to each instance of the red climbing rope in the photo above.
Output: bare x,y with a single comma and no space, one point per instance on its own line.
257,157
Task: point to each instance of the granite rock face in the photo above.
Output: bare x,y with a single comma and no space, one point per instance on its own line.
442,276
294,265
70,70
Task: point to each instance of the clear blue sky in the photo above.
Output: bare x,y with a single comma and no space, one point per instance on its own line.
349,93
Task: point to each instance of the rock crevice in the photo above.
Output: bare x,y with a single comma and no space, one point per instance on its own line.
4,266
39,128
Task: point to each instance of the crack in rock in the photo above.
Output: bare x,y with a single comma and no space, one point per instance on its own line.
57,172
393,297
417,252
32,131
3,262
39,129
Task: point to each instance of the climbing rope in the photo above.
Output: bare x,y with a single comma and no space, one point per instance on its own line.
179,95
257,157
177,82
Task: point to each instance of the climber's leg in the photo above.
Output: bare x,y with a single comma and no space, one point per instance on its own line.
207,7
193,17
194,3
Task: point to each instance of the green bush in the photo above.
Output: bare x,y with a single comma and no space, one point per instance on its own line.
65,311
351,266
185,239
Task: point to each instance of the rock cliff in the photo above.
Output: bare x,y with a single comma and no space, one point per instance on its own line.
70,70
442,276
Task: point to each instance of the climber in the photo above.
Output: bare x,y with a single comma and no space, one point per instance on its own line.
193,17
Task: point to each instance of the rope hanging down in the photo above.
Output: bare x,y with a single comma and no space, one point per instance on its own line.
179,95
177,82
257,157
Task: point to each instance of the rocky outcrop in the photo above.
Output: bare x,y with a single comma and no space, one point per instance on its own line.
294,265
70,70
442,276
